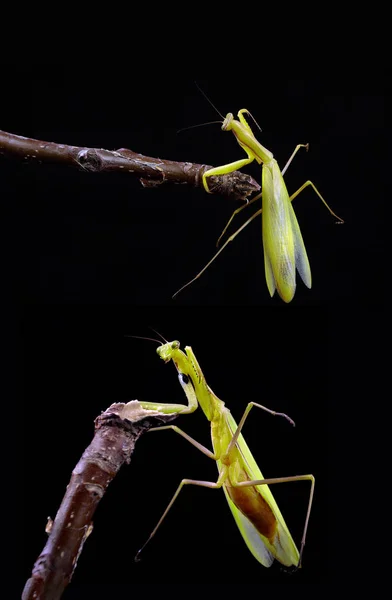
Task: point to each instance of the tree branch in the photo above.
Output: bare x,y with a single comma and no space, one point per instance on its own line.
116,432
151,171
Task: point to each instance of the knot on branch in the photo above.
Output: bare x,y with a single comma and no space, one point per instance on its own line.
237,185
89,159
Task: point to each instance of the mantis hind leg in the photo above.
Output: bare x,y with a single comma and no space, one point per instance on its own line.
318,194
224,169
238,210
208,484
286,480
230,239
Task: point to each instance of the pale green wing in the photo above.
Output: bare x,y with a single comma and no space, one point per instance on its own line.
278,241
301,257
269,275
283,547
251,536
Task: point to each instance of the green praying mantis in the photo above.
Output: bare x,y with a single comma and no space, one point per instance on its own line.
247,492
284,249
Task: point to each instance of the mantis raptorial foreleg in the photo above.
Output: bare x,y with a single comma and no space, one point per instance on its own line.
234,166
208,484
229,168
287,480
170,408
177,408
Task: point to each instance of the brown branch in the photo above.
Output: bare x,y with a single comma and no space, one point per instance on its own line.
151,171
116,432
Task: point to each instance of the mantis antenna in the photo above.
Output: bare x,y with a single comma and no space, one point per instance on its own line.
209,101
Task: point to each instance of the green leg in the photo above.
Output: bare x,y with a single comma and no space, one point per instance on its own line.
234,439
286,480
187,437
224,169
208,484
308,182
318,194
291,198
177,408
234,214
244,121
168,409
259,195
230,239
292,156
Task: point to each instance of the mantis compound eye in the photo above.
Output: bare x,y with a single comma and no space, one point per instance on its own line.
175,345
226,125
183,378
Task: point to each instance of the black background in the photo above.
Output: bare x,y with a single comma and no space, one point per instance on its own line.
96,256
104,239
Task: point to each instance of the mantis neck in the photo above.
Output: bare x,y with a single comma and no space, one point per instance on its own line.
208,401
248,142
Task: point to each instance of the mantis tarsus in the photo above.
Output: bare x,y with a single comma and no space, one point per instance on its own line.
284,249
250,499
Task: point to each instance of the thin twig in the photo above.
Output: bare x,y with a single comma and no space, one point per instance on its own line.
116,432
151,171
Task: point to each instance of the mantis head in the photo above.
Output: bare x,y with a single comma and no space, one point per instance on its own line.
227,123
166,350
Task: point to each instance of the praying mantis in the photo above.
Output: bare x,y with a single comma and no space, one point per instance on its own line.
252,504
284,249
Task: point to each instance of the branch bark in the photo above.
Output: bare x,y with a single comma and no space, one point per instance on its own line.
151,171
116,432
